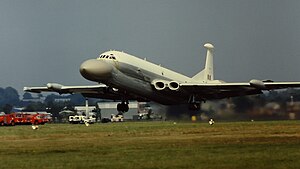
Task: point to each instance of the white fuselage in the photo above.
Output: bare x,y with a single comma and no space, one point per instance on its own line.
138,76
127,77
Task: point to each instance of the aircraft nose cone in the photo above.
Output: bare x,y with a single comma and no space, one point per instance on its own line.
95,70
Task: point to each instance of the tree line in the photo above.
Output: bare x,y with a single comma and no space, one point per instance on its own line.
10,98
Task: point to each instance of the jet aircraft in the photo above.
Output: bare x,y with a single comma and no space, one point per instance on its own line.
121,76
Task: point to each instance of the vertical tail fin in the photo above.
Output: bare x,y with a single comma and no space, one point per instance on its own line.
207,74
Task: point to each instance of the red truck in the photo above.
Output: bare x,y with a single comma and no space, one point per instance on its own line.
29,118
23,118
36,119
7,119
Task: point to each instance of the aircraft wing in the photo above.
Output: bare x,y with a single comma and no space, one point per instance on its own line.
95,91
281,85
55,87
225,90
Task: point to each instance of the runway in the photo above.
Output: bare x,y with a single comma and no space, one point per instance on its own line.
271,144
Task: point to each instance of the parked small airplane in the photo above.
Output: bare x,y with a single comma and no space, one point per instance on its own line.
125,77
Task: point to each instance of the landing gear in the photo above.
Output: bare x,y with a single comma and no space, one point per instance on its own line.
123,107
194,106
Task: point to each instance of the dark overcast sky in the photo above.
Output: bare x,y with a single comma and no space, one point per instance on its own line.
46,40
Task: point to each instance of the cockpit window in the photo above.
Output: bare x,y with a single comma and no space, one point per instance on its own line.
111,56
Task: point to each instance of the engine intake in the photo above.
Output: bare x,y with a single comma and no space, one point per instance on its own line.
163,84
173,85
159,84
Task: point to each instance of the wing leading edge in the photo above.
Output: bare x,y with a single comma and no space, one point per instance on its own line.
201,91
55,87
95,91
224,90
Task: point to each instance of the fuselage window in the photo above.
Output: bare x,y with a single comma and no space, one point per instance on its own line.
107,57
113,58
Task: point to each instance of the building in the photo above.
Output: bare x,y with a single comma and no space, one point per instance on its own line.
108,108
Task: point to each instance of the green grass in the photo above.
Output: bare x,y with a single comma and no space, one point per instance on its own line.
153,145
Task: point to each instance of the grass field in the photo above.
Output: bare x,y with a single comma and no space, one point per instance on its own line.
151,145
